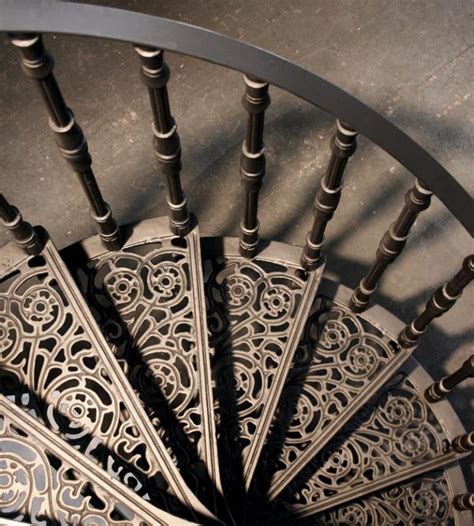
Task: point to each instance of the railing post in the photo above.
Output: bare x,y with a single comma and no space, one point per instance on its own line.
24,235
38,64
439,390
155,75
343,145
464,502
439,303
252,163
417,199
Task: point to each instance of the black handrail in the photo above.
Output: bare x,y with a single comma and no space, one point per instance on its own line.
46,16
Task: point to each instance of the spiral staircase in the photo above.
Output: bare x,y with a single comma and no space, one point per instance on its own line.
150,375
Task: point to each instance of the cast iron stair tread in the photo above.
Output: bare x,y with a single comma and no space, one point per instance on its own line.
148,300
395,438
62,484
57,365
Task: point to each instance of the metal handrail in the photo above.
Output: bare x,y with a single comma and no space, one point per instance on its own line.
46,16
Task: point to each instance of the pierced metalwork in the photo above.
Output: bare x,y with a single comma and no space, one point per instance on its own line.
252,164
24,235
46,481
148,300
439,390
256,312
439,303
55,363
393,242
37,64
425,501
155,75
341,361
393,440
343,145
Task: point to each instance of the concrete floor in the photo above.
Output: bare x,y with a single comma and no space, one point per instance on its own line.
411,60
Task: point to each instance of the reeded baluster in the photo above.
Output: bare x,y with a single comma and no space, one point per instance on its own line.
155,75
252,163
440,389
24,235
441,301
343,145
417,199
463,502
38,65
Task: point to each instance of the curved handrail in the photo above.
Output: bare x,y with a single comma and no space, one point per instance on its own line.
46,16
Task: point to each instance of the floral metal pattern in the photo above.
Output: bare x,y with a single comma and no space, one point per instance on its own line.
397,432
54,364
145,298
254,308
338,358
423,501
45,481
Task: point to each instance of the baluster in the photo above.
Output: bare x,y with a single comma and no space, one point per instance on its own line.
439,390
463,443
252,162
38,65
463,502
155,75
343,145
417,199
439,303
24,235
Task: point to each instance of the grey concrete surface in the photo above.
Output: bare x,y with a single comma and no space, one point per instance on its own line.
412,60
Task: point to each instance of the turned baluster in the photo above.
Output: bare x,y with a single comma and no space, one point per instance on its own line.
24,235
38,65
417,199
439,390
439,303
463,502
155,75
252,163
343,145
463,443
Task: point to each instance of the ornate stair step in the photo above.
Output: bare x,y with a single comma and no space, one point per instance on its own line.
393,440
57,365
256,312
46,479
148,299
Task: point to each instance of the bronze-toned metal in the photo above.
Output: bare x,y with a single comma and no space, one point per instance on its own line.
443,387
148,300
417,199
252,163
394,440
439,303
155,75
24,235
464,501
343,145
57,365
38,64
45,477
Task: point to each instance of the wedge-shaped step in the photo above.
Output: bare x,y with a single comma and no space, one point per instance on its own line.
256,312
341,362
47,481
394,439
426,500
56,363
148,299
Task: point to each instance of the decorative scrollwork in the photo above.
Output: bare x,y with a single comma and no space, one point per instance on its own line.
397,432
253,307
143,300
423,501
53,365
337,359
